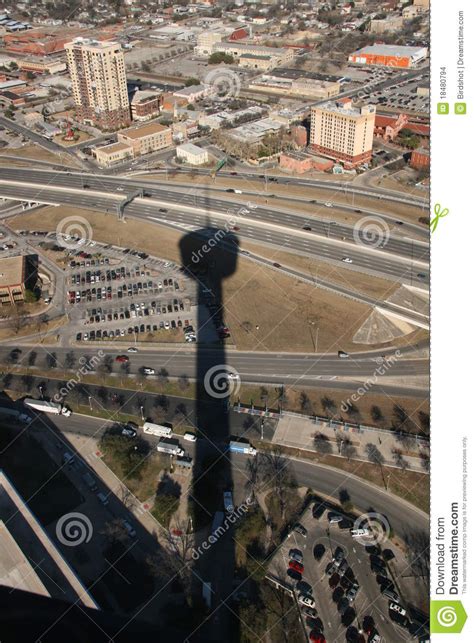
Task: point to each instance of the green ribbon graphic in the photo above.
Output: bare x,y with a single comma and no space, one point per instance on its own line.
439,214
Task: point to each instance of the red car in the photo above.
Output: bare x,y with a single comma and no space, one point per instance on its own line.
298,567
317,637
121,358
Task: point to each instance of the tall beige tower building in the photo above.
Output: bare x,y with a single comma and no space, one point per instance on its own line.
99,84
343,132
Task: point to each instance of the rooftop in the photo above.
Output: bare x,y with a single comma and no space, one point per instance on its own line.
12,271
190,148
345,108
143,130
391,50
113,148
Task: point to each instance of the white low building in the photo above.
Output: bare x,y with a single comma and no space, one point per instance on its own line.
192,154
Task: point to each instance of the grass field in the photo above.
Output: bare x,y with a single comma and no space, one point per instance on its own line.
265,310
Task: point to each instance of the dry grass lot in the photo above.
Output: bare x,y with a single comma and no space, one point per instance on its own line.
264,309
365,284
35,153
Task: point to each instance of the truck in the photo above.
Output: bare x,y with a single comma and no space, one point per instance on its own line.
157,429
171,448
242,447
47,407
15,414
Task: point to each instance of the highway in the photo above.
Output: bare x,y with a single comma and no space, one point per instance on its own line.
288,369
189,213
210,199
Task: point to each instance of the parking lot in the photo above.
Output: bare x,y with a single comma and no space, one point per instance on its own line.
403,96
347,586
112,292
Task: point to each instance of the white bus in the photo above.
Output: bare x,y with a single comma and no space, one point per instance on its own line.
157,429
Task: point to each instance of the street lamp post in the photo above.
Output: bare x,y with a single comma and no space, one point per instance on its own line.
141,411
90,402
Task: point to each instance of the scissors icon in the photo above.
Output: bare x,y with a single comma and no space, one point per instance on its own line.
439,214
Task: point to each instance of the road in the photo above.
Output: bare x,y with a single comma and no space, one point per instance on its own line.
217,200
289,369
365,259
401,515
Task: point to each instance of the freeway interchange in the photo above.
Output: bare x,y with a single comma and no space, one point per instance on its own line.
388,256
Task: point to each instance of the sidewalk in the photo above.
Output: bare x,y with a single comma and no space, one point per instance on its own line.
299,433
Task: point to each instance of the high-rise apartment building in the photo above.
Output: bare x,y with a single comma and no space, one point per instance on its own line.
99,84
343,132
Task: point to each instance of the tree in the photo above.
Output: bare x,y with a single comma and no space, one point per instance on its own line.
30,296
51,360
32,355
219,57
166,500
115,531
183,382
162,376
278,475
192,81
374,455
399,459
376,413
322,444
17,318
253,476
69,360
347,449
305,403
328,405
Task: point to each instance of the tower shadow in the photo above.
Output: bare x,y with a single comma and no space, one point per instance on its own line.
206,258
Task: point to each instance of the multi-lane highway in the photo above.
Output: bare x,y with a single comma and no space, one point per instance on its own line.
298,369
260,224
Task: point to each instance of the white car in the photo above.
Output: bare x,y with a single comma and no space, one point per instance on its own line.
359,533
148,371
306,600
132,349
167,325
397,608
190,437
328,204
233,376
346,259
